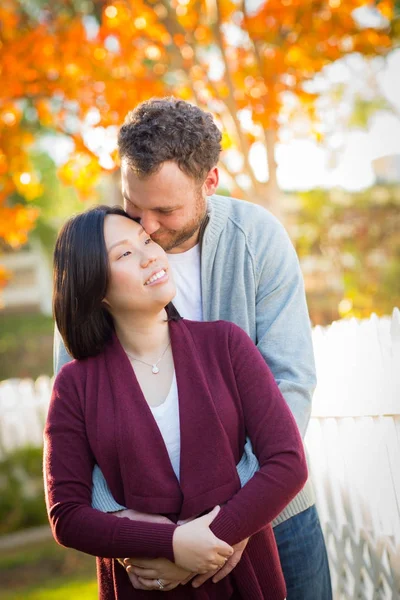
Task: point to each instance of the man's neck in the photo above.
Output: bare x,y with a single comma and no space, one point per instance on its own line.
187,245
192,241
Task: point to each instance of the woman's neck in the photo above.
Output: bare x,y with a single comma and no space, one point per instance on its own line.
144,335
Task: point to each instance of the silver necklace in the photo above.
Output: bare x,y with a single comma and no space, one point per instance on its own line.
154,366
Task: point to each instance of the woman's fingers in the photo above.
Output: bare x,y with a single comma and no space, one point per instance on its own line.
209,517
153,584
135,582
223,549
139,572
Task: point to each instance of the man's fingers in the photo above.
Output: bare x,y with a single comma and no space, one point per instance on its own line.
226,569
200,579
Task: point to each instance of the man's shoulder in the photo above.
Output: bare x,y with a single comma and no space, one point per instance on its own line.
250,218
262,231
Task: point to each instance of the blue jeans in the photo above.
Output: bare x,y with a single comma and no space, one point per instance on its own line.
303,556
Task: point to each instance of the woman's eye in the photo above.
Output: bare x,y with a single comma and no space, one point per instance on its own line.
148,241
127,253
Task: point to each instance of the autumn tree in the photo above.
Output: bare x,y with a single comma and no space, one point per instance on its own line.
70,65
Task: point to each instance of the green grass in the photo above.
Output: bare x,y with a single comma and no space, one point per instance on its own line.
46,571
19,324
26,342
57,590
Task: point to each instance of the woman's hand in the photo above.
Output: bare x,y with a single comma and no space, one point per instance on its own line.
219,574
161,568
170,578
196,548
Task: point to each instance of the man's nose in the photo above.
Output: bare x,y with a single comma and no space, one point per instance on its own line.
149,222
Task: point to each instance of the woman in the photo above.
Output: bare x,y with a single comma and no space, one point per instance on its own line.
134,358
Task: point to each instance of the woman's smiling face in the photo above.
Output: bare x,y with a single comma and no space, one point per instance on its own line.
140,278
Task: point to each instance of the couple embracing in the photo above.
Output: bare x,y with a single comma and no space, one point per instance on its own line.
173,443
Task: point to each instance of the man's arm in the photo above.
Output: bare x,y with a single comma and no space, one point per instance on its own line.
60,354
283,324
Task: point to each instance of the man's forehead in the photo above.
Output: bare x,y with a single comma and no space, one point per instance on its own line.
168,174
160,190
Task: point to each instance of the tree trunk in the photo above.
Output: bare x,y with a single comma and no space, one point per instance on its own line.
273,193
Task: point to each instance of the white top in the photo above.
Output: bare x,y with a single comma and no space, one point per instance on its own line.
166,416
186,270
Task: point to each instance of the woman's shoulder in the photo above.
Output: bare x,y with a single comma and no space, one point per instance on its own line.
222,331
76,371
220,327
207,327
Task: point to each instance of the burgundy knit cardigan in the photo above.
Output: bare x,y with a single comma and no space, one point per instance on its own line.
98,414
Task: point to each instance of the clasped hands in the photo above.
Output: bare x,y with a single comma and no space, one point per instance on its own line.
212,558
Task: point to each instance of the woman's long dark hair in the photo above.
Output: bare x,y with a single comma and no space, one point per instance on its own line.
81,278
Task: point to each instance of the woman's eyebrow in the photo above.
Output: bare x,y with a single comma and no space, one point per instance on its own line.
121,242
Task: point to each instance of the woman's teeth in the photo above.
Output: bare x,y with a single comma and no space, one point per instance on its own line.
155,277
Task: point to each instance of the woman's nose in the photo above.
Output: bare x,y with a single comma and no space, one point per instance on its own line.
148,257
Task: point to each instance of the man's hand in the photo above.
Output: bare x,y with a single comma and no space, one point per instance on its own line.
219,574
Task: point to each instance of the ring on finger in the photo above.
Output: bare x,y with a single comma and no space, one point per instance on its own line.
160,584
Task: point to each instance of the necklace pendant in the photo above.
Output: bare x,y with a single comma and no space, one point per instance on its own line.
155,369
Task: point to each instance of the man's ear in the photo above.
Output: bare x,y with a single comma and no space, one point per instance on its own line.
211,182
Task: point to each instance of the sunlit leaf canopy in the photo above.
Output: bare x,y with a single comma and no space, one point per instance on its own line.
68,66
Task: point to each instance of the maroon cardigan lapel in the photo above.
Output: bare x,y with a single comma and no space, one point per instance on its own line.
208,473
207,467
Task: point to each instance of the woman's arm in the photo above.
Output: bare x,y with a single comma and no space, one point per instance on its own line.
68,465
102,498
276,442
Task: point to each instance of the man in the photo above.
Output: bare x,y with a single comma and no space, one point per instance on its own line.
231,260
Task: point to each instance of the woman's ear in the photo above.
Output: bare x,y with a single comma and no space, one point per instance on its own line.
105,303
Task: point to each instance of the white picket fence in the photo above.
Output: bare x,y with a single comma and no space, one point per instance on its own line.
353,442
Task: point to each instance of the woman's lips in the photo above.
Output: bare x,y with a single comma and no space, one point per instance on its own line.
159,276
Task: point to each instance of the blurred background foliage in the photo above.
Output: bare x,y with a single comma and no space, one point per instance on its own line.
71,69
21,490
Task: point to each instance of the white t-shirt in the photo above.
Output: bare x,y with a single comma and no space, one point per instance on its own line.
186,270
166,416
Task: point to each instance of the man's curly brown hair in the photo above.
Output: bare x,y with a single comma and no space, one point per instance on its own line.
168,129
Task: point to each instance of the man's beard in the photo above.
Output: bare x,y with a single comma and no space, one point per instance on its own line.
170,238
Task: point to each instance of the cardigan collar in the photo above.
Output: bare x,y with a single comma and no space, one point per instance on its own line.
208,473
